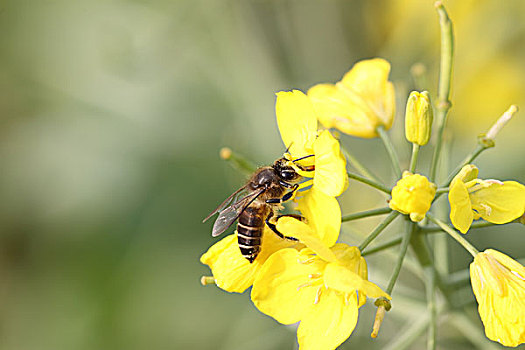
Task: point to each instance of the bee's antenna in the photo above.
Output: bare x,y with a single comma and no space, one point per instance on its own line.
288,148
298,159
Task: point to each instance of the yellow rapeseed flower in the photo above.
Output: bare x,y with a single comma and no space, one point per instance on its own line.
363,100
499,286
232,272
299,286
322,285
472,198
298,127
413,195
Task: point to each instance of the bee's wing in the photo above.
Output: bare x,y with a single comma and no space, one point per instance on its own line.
230,214
225,203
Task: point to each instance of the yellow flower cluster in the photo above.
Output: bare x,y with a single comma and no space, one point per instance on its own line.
314,281
321,283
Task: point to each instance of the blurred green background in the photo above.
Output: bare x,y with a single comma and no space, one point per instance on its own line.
112,114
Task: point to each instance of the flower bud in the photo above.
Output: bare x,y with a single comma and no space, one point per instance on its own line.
413,195
418,118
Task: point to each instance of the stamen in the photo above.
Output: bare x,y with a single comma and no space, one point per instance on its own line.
314,275
307,284
318,295
488,210
307,261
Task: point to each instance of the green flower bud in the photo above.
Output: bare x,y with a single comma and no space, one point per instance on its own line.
418,118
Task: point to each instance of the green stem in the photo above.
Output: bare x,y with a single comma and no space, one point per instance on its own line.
411,228
442,190
454,234
413,159
237,161
352,160
383,246
365,214
378,230
445,77
471,331
475,225
430,288
468,160
369,182
390,149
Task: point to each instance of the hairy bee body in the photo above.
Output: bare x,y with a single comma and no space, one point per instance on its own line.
250,228
267,188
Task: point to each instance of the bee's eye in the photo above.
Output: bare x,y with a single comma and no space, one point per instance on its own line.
287,175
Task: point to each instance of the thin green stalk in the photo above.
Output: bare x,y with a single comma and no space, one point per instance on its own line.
445,77
369,182
442,190
411,228
472,331
378,230
485,141
366,213
454,234
428,229
237,161
468,160
413,159
430,288
352,160
390,150
383,246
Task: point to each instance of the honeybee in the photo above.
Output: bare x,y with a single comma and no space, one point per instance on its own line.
256,202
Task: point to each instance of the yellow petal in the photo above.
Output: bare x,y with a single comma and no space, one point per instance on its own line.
499,203
297,122
461,214
369,79
330,165
342,279
349,256
498,283
329,322
348,113
284,289
232,272
468,173
289,226
323,213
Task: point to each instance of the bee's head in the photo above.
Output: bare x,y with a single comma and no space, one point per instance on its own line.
284,171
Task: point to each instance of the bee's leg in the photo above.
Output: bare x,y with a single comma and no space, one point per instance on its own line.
306,168
273,226
285,197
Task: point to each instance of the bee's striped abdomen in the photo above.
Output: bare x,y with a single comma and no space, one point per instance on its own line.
250,229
